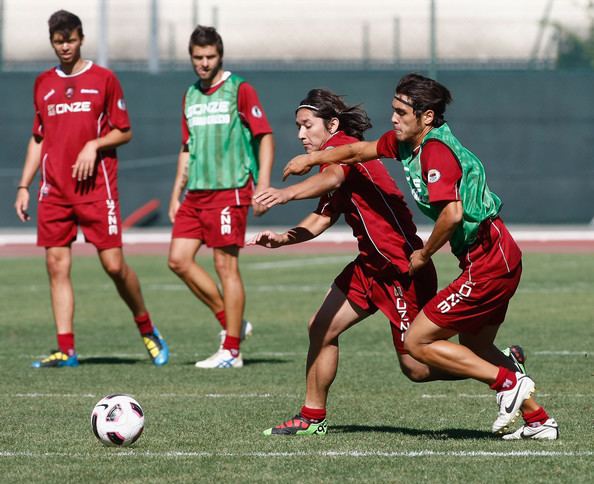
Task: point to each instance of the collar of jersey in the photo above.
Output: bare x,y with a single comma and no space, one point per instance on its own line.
61,73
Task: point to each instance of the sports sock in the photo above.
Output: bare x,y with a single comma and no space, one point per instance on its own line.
506,380
314,415
144,323
536,418
221,318
232,344
66,343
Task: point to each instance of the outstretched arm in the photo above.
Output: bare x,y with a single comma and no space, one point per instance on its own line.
310,227
265,161
319,184
347,154
448,220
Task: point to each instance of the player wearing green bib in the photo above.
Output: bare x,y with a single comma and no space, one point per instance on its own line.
448,183
227,147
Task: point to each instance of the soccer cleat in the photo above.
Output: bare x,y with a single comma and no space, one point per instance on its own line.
511,400
157,347
547,431
221,359
518,357
246,330
299,425
57,359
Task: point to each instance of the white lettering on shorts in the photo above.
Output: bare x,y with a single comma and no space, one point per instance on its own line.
226,221
451,300
402,309
112,219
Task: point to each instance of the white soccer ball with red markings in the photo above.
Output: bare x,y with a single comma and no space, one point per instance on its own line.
117,420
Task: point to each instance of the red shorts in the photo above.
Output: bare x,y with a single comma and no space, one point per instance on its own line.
467,305
100,222
399,297
216,227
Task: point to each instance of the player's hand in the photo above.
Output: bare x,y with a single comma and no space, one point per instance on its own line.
22,204
270,197
297,166
417,261
173,208
84,166
258,208
268,239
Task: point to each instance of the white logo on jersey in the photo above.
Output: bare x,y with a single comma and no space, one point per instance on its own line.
433,176
122,104
74,107
112,219
256,112
89,91
48,95
226,221
214,112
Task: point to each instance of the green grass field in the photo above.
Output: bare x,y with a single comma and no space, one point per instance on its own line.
205,425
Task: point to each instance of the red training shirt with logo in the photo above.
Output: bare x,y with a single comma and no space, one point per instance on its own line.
71,110
375,209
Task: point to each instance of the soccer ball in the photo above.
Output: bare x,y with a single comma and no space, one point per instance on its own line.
117,420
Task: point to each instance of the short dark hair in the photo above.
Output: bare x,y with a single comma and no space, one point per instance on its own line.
425,94
65,23
353,120
203,36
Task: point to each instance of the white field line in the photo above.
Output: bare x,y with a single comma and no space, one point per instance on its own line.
336,235
310,261
328,453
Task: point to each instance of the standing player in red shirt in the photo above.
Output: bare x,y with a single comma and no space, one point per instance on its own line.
80,118
449,185
378,278
227,146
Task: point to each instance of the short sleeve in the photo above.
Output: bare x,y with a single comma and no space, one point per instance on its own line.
441,171
387,145
117,113
251,111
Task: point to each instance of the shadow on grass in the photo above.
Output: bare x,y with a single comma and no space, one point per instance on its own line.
108,360
253,361
442,434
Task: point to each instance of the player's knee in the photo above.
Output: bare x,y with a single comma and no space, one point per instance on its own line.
178,265
115,269
412,347
416,374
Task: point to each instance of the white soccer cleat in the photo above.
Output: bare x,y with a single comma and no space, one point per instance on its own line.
547,431
221,359
511,400
247,329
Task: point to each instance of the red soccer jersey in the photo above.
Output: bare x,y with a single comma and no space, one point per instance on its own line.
253,116
71,110
375,209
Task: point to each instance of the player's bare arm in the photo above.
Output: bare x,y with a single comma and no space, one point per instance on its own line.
265,161
309,228
346,154
32,162
84,165
445,225
330,179
180,182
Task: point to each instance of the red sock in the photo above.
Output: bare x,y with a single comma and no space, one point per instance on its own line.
144,323
66,343
221,317
232,344
536,418
506,379
313,414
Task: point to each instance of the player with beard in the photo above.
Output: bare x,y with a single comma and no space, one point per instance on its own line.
227,147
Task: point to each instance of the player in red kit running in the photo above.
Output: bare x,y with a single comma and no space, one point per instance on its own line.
378,278
448,183
227,147
80,118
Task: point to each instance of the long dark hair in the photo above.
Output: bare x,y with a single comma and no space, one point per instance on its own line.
353,120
